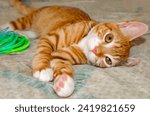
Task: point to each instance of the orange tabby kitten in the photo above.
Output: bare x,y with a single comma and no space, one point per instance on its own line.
69,36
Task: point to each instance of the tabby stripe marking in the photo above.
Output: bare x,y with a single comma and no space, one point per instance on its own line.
71,55
21,23
46,43
63,55
14,25
56,36
81,56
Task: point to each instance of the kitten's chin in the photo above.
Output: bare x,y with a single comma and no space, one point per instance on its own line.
91,58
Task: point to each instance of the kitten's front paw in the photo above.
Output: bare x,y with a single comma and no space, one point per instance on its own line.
45,75
63,85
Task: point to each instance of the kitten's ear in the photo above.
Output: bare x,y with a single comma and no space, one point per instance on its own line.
133,29
131,62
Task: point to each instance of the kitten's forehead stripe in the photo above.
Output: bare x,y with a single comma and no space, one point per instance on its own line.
106,24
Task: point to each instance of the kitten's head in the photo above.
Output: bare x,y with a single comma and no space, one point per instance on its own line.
109,43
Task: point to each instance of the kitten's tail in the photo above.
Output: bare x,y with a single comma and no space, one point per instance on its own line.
21,7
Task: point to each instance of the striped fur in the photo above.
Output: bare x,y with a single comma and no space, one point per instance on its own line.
69,36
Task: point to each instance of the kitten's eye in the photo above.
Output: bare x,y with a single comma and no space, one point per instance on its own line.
108,60
109,38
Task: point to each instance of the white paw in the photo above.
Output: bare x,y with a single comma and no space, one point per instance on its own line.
63,85
45,75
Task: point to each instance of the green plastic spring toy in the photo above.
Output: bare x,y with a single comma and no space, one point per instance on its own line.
11,42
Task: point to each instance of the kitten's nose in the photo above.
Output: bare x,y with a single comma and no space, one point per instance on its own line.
95,51
98,51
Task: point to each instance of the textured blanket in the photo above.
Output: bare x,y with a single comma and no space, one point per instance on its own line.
16,79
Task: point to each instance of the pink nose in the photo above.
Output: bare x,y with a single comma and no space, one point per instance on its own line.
94,50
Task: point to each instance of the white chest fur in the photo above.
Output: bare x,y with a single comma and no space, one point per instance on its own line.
87,44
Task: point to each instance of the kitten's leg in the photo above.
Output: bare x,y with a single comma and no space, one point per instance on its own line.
27,33
21,26
63,78
41,62
22,23
61,64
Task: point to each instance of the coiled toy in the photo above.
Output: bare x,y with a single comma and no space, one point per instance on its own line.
11,42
